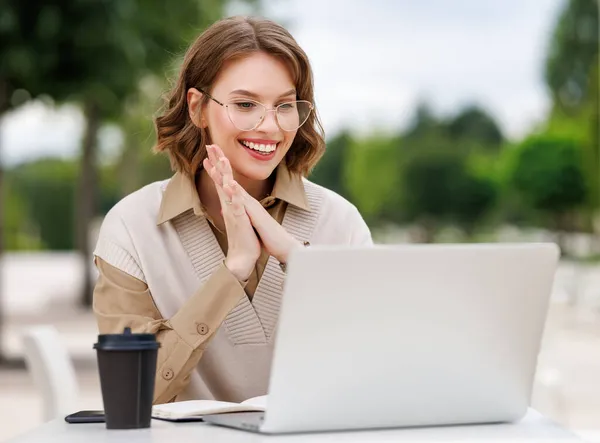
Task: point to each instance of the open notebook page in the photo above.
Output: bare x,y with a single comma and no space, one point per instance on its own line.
198,408
259,402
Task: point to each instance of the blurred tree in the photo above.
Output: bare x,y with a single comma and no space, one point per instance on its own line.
471,129
572,76
439,188
19,233
424,124
475,125
371,175
573,54
329,172
29,58
138,164
95,53
41,203
48,187
110,187
548,176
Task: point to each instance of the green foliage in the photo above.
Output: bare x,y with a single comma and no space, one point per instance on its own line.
573,54
329,172
471,129
18,232
40,198
440,187
573,78
548,174
424,124
48,187
475,125
109,194
82,50
371,175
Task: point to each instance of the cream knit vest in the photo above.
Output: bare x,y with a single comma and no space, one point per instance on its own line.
176,258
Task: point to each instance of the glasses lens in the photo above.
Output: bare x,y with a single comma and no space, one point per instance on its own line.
246,115
292,115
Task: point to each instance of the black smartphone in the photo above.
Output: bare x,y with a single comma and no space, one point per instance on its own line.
86,417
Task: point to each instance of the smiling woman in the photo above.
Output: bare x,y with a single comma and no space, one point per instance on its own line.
200,259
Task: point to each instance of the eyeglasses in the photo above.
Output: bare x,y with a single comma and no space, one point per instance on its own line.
247,114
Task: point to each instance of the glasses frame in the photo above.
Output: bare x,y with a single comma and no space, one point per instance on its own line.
226,106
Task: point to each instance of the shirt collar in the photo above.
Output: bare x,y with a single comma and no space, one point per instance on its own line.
181,195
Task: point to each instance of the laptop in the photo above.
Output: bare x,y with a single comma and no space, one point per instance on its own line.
405,336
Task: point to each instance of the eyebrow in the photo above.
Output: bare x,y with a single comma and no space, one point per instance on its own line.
256,96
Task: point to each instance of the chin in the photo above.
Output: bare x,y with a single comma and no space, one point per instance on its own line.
257,173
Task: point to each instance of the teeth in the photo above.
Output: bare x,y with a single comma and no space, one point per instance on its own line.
259,146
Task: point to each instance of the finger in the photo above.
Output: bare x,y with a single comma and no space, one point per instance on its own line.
207,164
220,162
237,205
212,172
210,149
242,191
231,205
239,190
229,191
218,152
224,168
223,163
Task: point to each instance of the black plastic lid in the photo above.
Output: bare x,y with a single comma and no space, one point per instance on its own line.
126,342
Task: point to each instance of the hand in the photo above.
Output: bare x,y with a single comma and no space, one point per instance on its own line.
276,240
243,245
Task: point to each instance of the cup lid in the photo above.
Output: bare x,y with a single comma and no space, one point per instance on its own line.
127,341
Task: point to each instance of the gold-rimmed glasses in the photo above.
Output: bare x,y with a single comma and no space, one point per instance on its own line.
247,114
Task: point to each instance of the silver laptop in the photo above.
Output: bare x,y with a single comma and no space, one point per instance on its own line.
403,336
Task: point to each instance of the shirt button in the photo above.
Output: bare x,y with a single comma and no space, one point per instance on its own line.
202,329
167,373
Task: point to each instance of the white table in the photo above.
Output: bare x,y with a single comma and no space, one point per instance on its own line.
534,427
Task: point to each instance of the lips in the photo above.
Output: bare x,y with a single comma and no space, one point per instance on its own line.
260,151
263,146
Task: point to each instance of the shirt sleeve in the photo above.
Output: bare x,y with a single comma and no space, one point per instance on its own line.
121,300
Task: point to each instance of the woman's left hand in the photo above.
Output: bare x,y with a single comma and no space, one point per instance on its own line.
276,240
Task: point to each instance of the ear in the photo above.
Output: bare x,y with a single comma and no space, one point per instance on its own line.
194,102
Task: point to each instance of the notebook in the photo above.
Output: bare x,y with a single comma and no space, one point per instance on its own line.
193,410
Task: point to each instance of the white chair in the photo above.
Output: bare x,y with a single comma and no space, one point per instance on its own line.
52,370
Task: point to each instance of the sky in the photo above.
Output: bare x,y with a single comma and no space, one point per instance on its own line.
373,61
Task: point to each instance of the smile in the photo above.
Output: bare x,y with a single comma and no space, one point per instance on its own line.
259,147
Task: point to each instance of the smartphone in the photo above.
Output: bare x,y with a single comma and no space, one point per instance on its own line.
86,417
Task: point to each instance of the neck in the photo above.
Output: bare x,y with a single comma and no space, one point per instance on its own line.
258,189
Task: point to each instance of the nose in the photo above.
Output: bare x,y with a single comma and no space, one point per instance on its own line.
269,123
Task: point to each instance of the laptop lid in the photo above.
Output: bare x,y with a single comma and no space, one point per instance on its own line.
392,336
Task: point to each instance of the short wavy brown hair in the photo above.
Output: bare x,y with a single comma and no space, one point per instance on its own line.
229,39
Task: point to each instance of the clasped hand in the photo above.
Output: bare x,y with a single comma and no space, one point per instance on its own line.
244,217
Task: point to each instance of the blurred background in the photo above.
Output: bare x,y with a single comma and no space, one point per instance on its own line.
463,121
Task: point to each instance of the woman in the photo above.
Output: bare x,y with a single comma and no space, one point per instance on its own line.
199,259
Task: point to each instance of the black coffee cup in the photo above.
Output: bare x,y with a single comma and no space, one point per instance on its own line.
127,367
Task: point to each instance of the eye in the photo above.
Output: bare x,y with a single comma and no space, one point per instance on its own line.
286,106
245,105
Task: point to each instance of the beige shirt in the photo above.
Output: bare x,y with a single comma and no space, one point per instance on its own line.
155,246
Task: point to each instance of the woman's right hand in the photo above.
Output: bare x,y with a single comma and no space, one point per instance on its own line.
243,245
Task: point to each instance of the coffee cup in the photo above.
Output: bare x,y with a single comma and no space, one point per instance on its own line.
127,369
